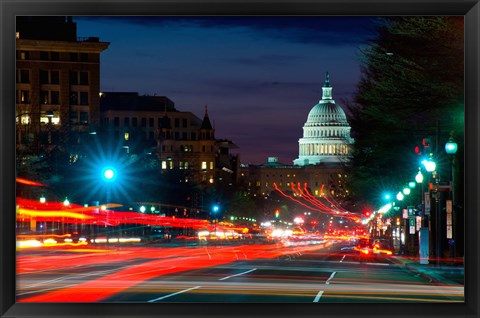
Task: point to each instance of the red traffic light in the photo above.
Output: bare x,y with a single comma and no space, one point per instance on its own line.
426,142
417,150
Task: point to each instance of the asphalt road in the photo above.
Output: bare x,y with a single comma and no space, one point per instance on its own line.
320,273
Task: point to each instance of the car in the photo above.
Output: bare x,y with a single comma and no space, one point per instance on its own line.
364,249
382,248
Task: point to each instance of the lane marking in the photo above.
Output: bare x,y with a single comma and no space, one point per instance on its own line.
330,278
170,295
320,293
238,274
317,298
342,258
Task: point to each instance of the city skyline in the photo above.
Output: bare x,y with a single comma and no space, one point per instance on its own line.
259,76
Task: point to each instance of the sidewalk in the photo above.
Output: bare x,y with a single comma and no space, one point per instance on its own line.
442,273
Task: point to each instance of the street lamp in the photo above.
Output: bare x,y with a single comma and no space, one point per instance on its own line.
400,196
424,231
429,164
451,149
109,174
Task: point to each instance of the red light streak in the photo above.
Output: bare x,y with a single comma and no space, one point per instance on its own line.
164,261
29,182
293,199
76,214
313,203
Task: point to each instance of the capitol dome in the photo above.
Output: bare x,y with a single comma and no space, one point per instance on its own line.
326,133
326,114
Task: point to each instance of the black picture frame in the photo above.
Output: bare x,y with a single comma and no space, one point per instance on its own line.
11,8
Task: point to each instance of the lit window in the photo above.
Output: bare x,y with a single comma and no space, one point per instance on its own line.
127,135
164,165
211,165
171,164
204,165
211,179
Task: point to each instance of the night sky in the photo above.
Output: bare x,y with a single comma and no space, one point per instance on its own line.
259,76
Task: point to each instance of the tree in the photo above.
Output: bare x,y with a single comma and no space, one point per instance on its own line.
411,88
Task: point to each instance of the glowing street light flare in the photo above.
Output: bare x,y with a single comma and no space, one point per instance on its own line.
429,165
419,177
400,196
109,174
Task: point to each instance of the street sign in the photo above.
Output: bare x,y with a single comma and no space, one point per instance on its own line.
449,219
411,223
419,223
449,232
411,210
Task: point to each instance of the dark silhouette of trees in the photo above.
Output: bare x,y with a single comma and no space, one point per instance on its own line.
411,88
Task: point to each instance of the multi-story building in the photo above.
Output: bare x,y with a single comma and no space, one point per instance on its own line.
57,83
181,141
321,179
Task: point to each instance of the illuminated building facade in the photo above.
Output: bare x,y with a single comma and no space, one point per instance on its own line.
326,133
183,143
57,83
321,179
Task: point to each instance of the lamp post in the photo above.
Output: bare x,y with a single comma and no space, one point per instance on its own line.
108,175
419,180
424,234
451,149
431,166
215,209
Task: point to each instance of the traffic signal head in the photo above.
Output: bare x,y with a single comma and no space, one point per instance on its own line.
418,151
426,142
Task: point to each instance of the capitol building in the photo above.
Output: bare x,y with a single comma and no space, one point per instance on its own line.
326,134
324,150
